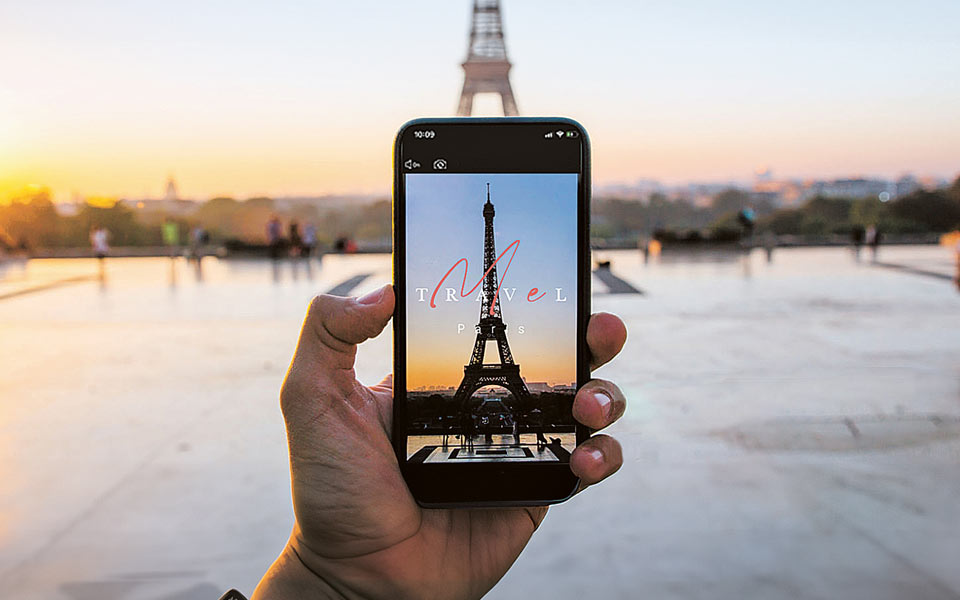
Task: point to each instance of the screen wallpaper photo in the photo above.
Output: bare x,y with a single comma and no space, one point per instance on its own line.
491,312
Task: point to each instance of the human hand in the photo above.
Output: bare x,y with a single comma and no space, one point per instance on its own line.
358,532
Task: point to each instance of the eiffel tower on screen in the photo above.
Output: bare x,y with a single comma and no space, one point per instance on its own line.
505,373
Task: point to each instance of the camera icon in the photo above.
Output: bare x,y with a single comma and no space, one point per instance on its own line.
440,164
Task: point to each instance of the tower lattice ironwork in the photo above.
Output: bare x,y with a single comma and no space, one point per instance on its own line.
487,69
505,373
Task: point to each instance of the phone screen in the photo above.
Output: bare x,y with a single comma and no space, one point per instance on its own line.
492,247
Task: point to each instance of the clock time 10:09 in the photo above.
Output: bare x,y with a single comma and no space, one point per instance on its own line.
424,134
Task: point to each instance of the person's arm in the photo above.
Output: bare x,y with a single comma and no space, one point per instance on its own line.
359,533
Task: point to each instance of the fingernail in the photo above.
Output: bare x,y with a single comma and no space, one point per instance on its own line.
371,297
596,454
605,402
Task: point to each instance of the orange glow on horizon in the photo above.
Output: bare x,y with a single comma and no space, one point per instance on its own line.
101,201
446,370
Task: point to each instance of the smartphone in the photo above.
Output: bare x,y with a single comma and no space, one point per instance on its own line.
492,280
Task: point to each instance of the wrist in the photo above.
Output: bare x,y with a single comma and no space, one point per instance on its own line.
289,577
379,575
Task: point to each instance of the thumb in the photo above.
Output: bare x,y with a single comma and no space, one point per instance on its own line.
334,325
321,373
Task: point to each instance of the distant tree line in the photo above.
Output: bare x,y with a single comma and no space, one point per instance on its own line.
923,211
622,222
616,221
32,221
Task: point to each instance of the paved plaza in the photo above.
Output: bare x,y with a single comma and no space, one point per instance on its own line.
793,428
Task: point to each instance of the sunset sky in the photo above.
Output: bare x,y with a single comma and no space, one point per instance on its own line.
244,98
444,224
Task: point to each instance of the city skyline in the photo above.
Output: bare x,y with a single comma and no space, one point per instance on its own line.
534,386
256,100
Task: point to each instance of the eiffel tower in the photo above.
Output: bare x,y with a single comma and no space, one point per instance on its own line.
505,373
486,68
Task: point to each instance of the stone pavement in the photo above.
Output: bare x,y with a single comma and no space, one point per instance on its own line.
792,433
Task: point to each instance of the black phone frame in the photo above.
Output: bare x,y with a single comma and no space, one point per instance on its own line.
487,484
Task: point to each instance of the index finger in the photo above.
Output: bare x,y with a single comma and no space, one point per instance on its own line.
606,335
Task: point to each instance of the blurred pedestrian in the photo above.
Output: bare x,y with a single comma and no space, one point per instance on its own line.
296,240
536,424
643,245
100,240
198,241
873,240
957,252
467,429
747,219
274,239
857,235
170,233
345,245
487,427
309,239
769,244
654,247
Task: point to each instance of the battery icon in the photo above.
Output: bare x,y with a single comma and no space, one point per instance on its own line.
573,134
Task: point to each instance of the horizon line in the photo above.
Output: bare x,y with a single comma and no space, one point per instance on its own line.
58,198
